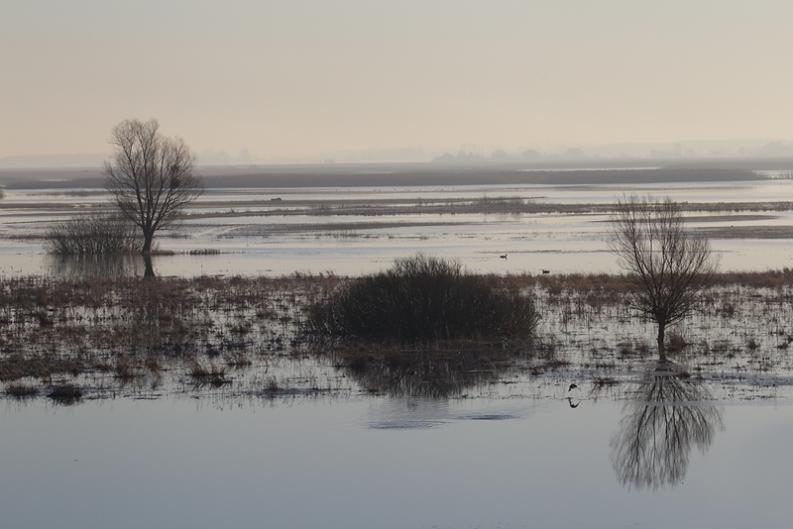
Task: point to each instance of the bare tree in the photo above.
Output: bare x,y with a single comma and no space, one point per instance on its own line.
668,265
150,177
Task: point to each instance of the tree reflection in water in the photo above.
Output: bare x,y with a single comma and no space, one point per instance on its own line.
93,267
670,415
429,374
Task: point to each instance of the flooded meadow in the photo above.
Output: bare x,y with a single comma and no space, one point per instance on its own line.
204,398
358,230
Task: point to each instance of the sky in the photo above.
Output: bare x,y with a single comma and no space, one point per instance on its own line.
300,80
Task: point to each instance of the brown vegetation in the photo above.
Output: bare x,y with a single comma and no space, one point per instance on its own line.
115,333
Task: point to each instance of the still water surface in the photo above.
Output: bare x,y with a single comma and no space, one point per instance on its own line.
364,462
233,222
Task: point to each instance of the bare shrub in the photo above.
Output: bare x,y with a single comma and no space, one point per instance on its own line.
423,299
93,235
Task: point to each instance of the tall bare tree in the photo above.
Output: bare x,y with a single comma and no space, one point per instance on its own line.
668,265
150,177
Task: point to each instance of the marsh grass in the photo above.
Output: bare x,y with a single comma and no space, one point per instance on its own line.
211,374
677,342
125,370
104,333
40,366
131,329
65,393
21,391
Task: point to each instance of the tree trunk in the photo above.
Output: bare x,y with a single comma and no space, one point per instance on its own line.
147,239
661,346
149,272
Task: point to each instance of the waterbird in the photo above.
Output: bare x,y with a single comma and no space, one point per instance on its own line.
503,256
544,271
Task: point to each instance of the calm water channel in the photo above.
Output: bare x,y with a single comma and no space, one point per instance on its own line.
364,462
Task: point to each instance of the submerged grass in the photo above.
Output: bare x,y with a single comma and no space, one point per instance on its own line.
211,374
128,333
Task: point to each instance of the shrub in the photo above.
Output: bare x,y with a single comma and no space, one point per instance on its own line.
423,299
66,393
94,235
21,391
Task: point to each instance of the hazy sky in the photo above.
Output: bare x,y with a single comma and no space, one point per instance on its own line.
288,79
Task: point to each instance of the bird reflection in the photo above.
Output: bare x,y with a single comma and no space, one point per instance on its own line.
670,416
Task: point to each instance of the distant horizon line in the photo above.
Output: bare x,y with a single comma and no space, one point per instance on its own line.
466,154
550,163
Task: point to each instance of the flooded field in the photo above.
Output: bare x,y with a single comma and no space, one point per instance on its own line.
348,264
214,411
357,230
201,399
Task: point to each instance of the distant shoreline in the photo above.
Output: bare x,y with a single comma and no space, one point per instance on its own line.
426,174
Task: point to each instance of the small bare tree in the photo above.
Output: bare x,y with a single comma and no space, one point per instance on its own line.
668,265
150,178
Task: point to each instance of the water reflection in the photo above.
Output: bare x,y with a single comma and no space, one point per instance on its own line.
670,415
431,375
91,267
408,414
